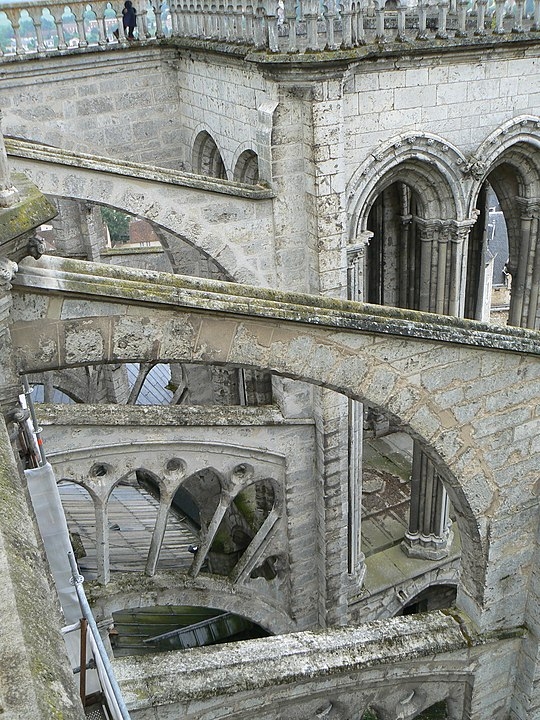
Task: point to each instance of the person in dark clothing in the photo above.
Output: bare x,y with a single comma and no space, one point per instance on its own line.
129,20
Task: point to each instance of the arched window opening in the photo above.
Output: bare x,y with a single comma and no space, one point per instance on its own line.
207,158
240,524
488,277
393,253
48,394
247,168
132,513
438,711
181,530
154,384
138,631
435,597
198,496
81,520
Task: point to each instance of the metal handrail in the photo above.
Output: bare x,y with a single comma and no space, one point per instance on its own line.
104,667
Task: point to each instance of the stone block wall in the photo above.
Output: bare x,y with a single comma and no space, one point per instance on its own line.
123,105
461,96
223,99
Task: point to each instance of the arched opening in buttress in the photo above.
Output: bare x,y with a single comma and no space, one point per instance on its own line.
207,159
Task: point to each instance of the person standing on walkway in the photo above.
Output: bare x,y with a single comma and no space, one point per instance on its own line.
129,20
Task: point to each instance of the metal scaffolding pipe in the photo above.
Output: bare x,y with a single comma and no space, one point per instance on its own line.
77,580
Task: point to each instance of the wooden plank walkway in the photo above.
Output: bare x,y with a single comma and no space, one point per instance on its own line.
132,513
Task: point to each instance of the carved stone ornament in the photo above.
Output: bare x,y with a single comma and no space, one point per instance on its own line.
8,268
476,168
35,247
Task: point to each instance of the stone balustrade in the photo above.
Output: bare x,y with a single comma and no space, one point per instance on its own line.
290,26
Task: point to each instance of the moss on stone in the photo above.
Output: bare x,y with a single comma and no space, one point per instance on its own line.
32,210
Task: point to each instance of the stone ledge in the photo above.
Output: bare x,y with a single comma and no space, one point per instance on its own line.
97,163
116,284
153,680
18,221
139,415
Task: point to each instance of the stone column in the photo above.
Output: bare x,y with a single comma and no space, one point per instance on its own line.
457,279
356,266
442,283
429,535
441,273
356,258
427,271
525,268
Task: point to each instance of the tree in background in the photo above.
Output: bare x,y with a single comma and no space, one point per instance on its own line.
118,224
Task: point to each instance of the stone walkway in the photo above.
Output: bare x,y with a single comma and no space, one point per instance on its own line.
386,491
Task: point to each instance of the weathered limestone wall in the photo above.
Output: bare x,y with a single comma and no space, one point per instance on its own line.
124,105
35,676
470,399
462,96
149,104
225,97
398,667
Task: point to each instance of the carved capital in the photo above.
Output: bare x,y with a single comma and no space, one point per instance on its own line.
356,250
530,207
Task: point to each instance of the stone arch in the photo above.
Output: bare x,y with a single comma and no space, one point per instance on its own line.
61,391
422,160
407,225
204,487
191,211
84,546
206,158
253,529
173,243
167,468
516,135
167,591
314,356
126,494
77,481
509,160
246,168
425,590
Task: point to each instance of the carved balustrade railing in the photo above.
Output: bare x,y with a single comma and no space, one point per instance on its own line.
30,27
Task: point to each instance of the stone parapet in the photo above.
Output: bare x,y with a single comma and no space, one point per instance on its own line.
291,27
